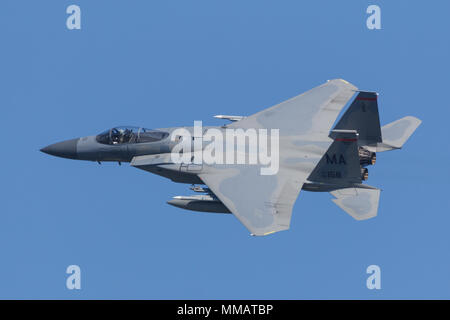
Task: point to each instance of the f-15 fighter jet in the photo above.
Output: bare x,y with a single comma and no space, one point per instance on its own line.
309,154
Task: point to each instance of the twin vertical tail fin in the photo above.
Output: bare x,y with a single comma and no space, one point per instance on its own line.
362,115
340,164
346,159
340,171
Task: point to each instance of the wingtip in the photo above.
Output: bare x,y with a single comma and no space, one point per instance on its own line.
339,81
417,120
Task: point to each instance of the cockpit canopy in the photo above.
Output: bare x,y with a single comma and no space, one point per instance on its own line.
120,135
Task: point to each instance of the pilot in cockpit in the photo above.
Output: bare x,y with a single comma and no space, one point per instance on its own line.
123,135
127,134
115,136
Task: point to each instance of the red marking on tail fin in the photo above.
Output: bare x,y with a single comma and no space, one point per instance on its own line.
366,99
342,139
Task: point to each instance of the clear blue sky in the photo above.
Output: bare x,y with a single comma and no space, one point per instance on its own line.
168,63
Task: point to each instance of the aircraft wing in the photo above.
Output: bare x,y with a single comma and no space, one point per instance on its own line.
263,203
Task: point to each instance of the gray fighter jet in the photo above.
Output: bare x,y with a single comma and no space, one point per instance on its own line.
313,156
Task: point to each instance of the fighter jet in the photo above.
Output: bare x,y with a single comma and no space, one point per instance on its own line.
313,155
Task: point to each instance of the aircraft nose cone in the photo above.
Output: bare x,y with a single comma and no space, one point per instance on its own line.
64,149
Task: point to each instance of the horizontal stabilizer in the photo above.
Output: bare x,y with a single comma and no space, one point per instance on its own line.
360,203
396,133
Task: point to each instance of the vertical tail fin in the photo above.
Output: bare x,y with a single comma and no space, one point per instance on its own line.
340,164
362,116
